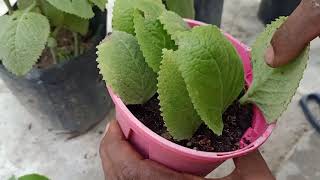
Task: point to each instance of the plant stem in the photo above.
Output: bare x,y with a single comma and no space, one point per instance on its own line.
10,8
53,54
56,31
40,5
76,43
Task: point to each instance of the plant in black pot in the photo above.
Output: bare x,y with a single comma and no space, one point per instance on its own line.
47,53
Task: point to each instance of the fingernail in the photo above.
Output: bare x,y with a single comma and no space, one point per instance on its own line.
269,56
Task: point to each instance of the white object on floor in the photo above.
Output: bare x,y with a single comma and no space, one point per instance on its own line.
109,7
3,7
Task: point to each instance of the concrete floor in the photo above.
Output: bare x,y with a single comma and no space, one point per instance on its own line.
30,143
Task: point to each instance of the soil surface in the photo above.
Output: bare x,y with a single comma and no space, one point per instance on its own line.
65,48
237,119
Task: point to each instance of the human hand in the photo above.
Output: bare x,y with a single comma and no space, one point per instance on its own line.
302,26
121,162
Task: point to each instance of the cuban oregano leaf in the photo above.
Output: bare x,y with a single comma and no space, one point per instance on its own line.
76,24
152,38
180,117
212,71
173,23
59,18
22,40
124,69
273,88
33,177
123,12
184,8
54,15
81,8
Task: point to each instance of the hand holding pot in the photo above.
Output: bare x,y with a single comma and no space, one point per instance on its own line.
302,26
121,161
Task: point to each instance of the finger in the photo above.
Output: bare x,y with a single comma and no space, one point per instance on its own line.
293,36
115,147
252,167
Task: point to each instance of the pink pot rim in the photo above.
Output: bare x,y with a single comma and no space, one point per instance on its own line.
191,153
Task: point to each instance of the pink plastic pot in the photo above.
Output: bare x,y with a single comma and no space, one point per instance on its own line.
183,159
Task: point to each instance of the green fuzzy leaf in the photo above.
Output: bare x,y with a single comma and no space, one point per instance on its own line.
76,24
124,69
23,37
212,71
181,119
100,3
273,88
55,16
81,8
24,4
124,9
173,23
59,18
33,177
184,8
152,38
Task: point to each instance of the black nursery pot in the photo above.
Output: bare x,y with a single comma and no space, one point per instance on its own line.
209,11
269,10
71,93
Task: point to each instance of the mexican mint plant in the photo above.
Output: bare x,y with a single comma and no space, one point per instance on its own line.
34,25
196,72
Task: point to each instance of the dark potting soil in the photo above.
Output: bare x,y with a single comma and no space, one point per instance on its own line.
237,119
65,48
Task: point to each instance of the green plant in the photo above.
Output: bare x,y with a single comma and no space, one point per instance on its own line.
35,24
30,177
196,72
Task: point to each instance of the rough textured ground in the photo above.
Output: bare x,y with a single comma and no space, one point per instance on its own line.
29,143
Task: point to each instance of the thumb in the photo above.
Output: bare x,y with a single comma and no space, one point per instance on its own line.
293,36
250,167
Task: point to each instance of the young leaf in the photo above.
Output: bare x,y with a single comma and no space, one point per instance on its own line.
22,38
273,88
180,117
100,3
76,24
54,15
212,71
124,9
152,38
33,177
81,8
59,18
173,23
124,69
184,8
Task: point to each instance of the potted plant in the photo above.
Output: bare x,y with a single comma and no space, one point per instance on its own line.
47,55
189,97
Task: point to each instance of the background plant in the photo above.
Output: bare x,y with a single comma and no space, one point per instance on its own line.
35,24
196,72
30,177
